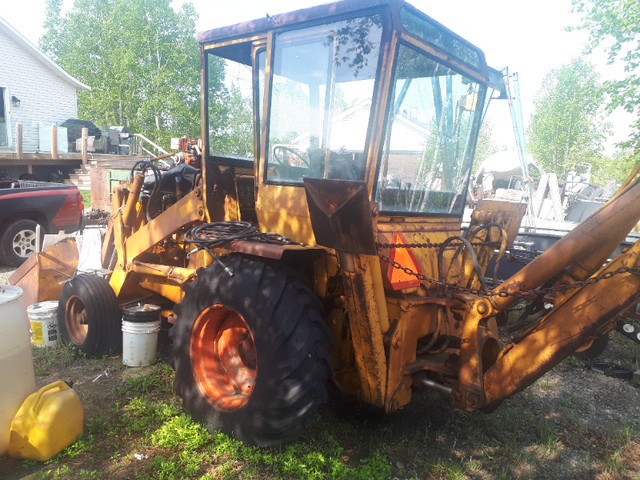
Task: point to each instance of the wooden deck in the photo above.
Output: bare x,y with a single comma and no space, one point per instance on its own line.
17,156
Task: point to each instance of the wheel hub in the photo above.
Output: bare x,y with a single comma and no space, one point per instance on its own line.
24,243
75,319
223,357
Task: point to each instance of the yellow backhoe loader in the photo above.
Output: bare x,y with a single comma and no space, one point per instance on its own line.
320,241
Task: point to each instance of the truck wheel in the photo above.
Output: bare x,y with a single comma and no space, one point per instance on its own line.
18,241
89,316
251,351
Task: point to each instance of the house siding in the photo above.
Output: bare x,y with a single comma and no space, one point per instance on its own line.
44,96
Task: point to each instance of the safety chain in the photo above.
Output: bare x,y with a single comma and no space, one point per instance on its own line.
428,244
503,294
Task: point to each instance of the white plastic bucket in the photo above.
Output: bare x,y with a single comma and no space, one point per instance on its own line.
17,380
43,318
139,342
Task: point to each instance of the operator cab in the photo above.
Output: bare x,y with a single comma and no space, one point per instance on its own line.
371,91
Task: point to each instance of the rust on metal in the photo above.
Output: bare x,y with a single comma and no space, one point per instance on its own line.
367,323
340,214
589,312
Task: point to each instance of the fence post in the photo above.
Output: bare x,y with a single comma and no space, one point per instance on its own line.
19,141
85,134
54,142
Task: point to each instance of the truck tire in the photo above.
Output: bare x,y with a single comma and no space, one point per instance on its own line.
251,351
89,316
18,241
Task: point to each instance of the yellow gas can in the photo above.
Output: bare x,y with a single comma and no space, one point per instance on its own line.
48,421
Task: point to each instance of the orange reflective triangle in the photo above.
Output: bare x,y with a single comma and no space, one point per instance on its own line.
404,256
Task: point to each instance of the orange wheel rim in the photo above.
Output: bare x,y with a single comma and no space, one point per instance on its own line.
223,357
75,320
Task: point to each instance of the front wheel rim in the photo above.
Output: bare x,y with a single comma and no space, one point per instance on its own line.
24,243
223,357
75,320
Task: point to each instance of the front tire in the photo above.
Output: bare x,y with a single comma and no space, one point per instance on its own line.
19,241
89,317
251,351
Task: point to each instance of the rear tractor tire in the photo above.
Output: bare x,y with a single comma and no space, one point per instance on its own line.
251,351
89,316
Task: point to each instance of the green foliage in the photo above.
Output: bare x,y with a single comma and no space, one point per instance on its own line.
140,58
615,26
61,471
160,380
141,415
56,356
99,424
619,166
547,435
84,473
567,127
178,466
322,460
86,198
182,432
231,122
451,470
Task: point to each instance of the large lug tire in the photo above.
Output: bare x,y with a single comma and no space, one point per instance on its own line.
251,351
18,241
89,316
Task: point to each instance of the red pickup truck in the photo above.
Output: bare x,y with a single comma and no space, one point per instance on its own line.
25,204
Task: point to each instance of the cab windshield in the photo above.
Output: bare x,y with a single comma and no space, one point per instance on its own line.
426,157
321,97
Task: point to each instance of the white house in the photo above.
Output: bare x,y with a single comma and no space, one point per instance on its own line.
34,91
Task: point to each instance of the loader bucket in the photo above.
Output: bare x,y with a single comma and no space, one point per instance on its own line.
43,274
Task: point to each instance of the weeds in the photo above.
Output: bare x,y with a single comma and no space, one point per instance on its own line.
45,359
141,415
547,435
159,381
181,432
141,432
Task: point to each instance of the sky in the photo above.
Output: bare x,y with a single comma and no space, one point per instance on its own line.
528,37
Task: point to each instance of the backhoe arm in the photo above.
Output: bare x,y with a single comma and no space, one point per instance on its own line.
588,307
589,312
583,250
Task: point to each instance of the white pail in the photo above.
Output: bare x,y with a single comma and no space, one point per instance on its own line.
43,317
17,380
139,342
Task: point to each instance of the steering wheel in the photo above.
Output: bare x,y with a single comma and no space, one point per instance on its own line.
282,154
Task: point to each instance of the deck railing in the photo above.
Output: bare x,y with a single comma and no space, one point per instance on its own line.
141,145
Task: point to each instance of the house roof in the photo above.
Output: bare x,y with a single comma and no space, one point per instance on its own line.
39,54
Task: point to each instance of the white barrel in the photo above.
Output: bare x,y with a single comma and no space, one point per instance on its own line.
17,380
139,342
43,318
